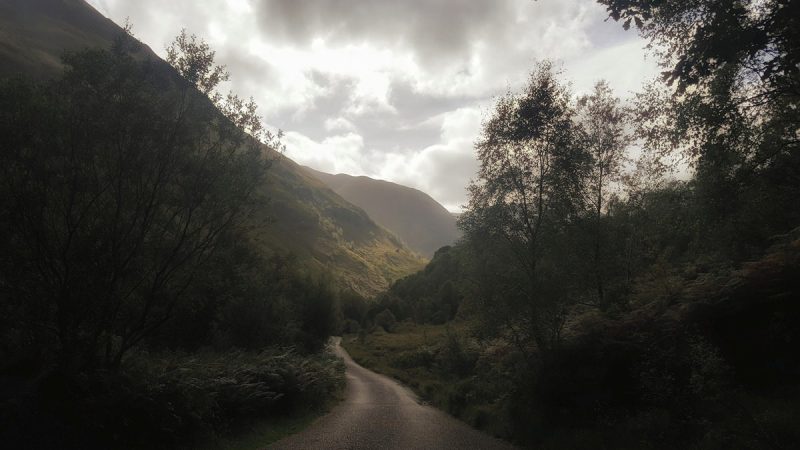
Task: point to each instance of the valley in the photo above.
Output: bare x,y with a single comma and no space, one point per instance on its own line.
625,272
413,216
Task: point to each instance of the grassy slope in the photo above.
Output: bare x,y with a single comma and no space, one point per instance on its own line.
421,222
305,217
308,219
35,33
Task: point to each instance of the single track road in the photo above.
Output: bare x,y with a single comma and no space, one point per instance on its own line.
379,413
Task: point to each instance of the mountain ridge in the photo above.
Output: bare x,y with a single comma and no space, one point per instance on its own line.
414,216
304,217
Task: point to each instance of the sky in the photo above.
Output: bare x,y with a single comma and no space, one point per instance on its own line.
394,90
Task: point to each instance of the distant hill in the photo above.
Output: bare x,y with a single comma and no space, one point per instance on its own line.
304,216
419,220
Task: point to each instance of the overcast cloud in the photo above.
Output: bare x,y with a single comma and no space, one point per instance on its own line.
392,89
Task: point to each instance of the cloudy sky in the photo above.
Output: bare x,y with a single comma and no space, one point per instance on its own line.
392,89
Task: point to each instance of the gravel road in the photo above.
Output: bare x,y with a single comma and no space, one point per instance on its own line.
379,413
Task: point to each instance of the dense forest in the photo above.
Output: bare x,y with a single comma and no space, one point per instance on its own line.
629,272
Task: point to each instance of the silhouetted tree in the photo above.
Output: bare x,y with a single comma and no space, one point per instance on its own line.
731,111
528,187
118,181
698,39
386,320
602,123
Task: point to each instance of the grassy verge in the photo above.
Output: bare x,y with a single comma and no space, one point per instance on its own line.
438,362
261,433
378,351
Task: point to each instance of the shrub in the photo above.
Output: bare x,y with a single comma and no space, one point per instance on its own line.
455,357
423,357
385,319
168,400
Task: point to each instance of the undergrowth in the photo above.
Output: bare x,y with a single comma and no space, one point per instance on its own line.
169,400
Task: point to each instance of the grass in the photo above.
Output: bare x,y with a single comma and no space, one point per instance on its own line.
378,351
328,234
261,433
438,362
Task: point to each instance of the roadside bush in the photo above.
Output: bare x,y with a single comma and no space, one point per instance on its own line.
168,400
423,357
242,384
316,308
350,326
385,319
455,357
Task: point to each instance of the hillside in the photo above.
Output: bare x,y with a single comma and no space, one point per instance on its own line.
303,216
421,222
35,33
310,220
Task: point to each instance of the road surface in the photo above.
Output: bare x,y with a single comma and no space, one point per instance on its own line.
379,413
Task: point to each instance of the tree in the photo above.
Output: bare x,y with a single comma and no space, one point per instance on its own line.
730,109
193,59
386,320
118,181
698,39
528,189
602,122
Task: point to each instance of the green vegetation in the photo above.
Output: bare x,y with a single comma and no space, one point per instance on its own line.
327,234
609,304
137,310
298,214
167,279
688,363
176,400
441,364
166,276
259,435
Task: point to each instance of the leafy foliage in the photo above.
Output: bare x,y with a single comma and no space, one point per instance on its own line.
171,400
115,194
128,190
526,194
734,114
602,306
699,39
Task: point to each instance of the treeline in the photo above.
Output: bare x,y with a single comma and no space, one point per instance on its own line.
612,304
135,310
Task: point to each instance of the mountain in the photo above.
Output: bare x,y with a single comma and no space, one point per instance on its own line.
303,216
416,218
331,234
35,33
